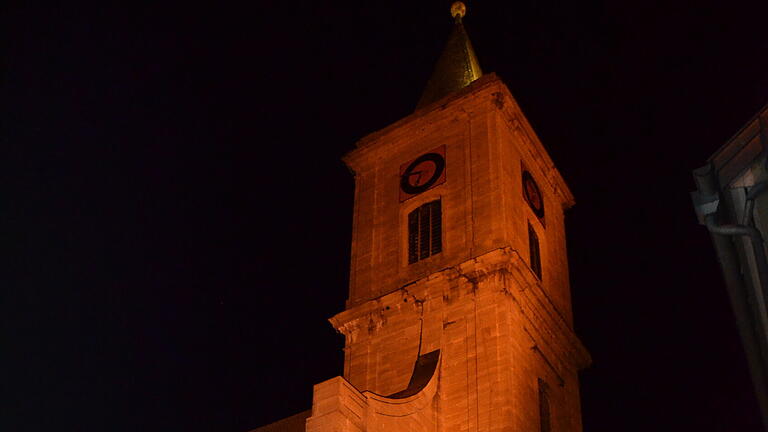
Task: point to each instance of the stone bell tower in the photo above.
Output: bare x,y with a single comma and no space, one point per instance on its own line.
459,310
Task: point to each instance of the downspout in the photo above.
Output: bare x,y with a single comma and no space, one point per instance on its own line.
706,202
760,260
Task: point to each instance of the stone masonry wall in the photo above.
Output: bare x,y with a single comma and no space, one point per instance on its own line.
497,332
487,141
499,328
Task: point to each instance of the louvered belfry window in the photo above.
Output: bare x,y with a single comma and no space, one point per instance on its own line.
425,231
534,251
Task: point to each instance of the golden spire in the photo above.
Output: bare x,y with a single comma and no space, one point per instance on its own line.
457,65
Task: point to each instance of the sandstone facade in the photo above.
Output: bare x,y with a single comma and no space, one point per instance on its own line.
508,356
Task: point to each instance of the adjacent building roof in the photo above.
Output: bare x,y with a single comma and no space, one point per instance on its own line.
732,202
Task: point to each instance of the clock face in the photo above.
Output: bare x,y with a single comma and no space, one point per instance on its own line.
422,173
533,195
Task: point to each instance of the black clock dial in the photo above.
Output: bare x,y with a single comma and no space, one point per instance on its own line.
533,195
422,173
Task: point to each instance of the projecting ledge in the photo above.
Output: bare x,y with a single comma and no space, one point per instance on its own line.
500,271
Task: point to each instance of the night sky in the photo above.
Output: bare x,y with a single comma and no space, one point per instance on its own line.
177,219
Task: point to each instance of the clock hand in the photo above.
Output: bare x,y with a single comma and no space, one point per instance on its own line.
416,173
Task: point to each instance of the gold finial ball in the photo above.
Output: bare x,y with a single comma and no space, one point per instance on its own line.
458,9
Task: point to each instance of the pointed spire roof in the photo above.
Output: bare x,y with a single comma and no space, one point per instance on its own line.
457,66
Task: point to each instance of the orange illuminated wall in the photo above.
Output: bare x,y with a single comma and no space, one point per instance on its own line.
470,338
487,140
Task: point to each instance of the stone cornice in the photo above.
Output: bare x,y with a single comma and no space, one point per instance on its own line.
547,328
441,105
496,96
517,122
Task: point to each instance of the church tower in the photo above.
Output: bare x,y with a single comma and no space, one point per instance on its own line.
459,310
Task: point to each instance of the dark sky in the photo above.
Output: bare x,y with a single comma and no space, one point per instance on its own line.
177,218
